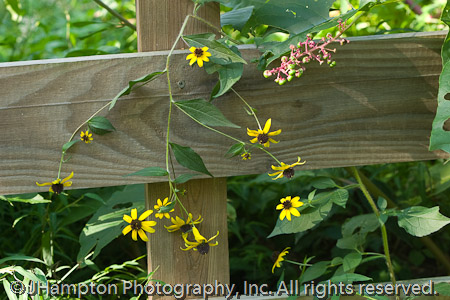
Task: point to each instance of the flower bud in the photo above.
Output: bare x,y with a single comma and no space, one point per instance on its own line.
329,36
332,64
267,74
282,81
309,36
291,72
291,66
299,73
284,59
289,78
306,59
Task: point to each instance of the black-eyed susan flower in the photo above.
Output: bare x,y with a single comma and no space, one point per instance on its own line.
198,55
57,186
288,207
246,155
201,244
137,225
184,226
163,208
263,136
86,137
286,170
280,258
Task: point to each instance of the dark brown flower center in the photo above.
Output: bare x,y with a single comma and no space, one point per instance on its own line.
57,188
186,228
287,204
136,224
289,173
198,52
275,255
85,138
203,248
263,138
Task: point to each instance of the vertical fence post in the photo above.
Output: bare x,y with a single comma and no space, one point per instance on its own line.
158,24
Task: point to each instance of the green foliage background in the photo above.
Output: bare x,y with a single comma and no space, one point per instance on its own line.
76,28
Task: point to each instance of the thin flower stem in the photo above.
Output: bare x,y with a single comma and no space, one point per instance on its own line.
383,227
270,154
115,14
249,107
297,263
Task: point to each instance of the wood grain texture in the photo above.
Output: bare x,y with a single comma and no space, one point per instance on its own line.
207,197
376,106
158,22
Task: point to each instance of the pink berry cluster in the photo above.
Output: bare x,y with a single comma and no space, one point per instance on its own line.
304,53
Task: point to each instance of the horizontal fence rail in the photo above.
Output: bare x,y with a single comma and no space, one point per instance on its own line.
376,106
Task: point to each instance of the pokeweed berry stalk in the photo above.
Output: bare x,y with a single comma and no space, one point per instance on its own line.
305,52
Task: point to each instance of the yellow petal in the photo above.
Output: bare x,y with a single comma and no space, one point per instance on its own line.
294,212
267,144
67,178
274,132
142,235
205,58
267,126
43,184
200,62
126,230
127,218
213,236
145,214
192,49
280,206
159,202
198,237
206,54
134,213
288,214
282,214
165,201
252,132
276,173
255,140
134,235
191,56
273,141
148,223
205,49
193,60
68,183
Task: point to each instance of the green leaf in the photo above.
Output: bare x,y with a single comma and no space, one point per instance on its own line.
204,112
349,277
443,288
127,90
365,223
100,125
323,183
351,242
7,288
36,199
235,149
188,158
107,223
421,221
351,261
340,197
217,49
440,138
309,216
150,171
237,17
229,74
68,145
315,271
19,257
382,203
184,178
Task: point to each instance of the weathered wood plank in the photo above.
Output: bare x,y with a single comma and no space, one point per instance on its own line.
375,106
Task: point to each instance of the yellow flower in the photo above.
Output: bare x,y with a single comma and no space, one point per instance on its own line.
286,170
180,224
263,136
138,225
289,206
57,186
86,137
201,244
280,258
246,155
161,207
198,55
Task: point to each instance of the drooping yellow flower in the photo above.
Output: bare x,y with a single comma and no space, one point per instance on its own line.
86,137
57,186
137,225
161,207
263,136
201,244
184,226
198,55
246,155
288,207
286,170
280,258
